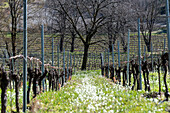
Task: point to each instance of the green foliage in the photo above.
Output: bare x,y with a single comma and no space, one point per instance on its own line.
11,99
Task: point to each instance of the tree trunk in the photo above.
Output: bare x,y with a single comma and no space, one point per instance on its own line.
61,42
85,56
123,44
13,35
110,36
144,80
62,29
148,41
148,84
159,78
114,38
17,93
148,47
30,74
110,43
4,85
72,42
166,86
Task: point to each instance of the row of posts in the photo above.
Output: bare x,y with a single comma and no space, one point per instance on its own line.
25,49
128,51
118,44
69,56
113,59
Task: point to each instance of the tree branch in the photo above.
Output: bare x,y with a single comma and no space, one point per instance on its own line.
72,22
96,42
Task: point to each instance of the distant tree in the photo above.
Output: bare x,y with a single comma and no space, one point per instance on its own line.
4,23
15,7
11,22
73,37
121,19
148,11
62,29
59,21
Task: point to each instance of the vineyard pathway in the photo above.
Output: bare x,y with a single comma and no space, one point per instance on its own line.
90,92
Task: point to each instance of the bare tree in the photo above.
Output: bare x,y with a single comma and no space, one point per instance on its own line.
148,11
62,28
4,23
91,18
15,7
73,37
59,21
120,19
11,21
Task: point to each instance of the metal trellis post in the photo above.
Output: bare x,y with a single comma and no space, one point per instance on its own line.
108,63
42,53
70,59
13,70
164,44
52,51
128,56
144,53
152,55
113,55
118,53
94,61
74,64
105,55
168,30
64,64
25,60
139,54
67,63
58,59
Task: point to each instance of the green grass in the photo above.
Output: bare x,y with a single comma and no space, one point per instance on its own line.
89,92
11,100
153,76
